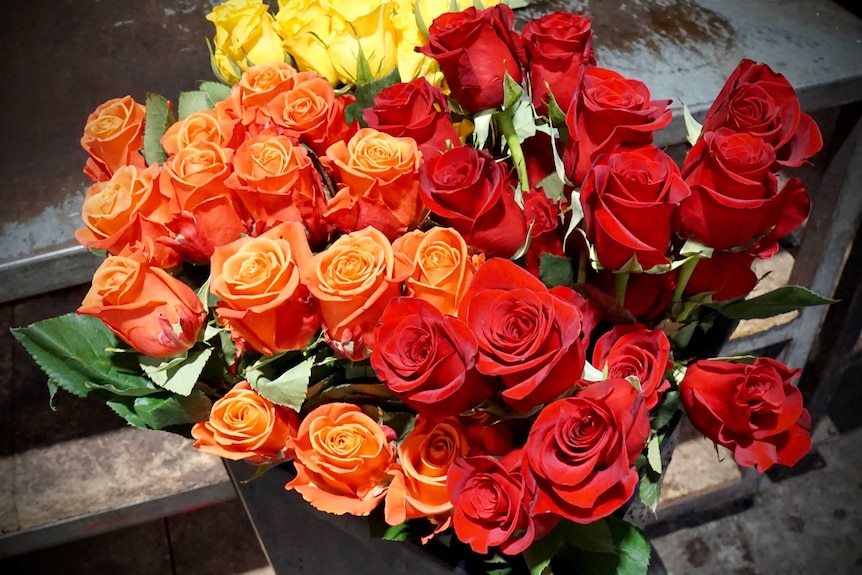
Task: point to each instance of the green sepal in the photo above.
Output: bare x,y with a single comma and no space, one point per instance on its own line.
365,94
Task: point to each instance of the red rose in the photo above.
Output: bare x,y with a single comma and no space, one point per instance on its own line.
545,234
609,111
757,101
634,350
528,335
475,50
727,274
735,200
580,451
629,198
490,503
558,46
416,110
466,189
753,410
427,359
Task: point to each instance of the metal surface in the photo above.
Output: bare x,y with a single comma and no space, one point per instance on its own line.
299,539
682,49
89,525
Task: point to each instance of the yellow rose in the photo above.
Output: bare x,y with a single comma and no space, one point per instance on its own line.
245,35
412,64
374,35
307,29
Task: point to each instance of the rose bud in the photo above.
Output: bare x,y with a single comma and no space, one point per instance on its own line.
419,486
466,190
558,46
113,136
609,111
416,110
757,101
629,198
428,359
475,50
342,458
146,307
735,200
244,425
580,453
753,410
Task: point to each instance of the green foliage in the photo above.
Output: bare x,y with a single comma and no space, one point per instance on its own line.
287,387
163,411
191,102
609,546
365,94
155,126
778,301
215,90
177,374
649,489
73,351
665,411
556,270
511,91
692,126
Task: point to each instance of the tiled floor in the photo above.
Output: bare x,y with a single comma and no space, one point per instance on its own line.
217,540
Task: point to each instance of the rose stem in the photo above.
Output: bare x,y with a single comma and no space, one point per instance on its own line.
620,283
504,122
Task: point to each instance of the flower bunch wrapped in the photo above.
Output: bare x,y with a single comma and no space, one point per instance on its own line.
470,312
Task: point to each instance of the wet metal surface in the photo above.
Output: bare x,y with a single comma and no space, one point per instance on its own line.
62,59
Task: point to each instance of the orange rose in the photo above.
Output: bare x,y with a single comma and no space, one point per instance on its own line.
379,175
206,212
146,307
263,302
112,136
260,84
341,460
244,425
276,182
353,280
207,126
418,488
444,266
311,112
125,211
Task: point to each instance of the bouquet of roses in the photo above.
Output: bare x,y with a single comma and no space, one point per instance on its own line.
476,311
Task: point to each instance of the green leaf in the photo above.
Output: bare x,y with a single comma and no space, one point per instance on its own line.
288,388
365,96
178,374
556,270
191,102
511,92
781,300
515,4
71,350
216,90
539,554
692,126
420,21
156,124
160,412
381,530
649,489
453,6
607,547
354,392
666,410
